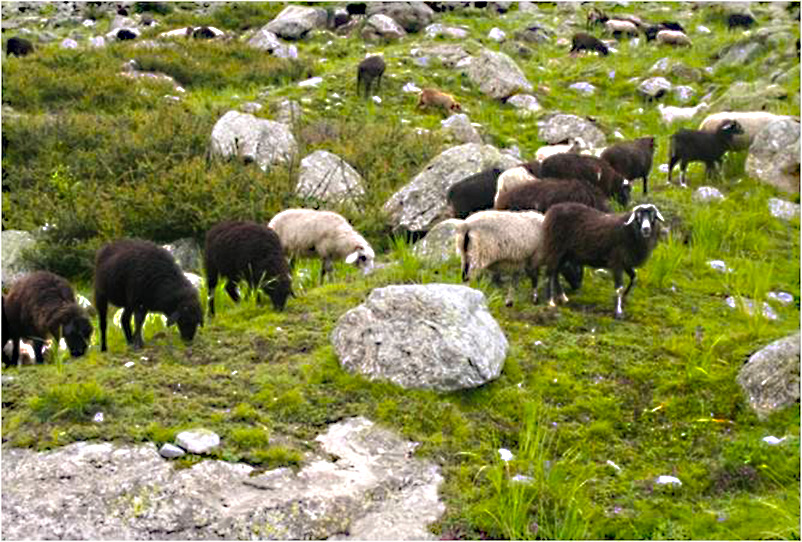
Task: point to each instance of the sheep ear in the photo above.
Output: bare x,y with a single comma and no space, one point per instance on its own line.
631,217
626,182
351,258
659,216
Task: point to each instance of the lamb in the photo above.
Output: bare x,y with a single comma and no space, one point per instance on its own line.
673,37
473,193
369,70
541,195
203,32
516,176
141,276
126,34
581,41
575,233
41,304
752,122
502,241
433,97
590,169
618,27
632,159
671,114
246,251
743,20
18,47
575,146
306,232
696,146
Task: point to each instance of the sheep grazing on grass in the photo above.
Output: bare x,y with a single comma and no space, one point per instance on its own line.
673,37
39,305
516,176
688,146
590,169
743,20
124,34
473,193
652,30
575,233
325,234
369,70
501,242
632,159
752,122
545,193
246,251
582,41
433,97
203,33
141,277
618,28
18,47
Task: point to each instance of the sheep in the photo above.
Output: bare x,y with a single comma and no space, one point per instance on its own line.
581,40
18,47
431,96
590,169
632,159
250,251
673,37
140,276
203,32
670,114
473,193
306,232
502,241
126,34
516,176
576,233
652,30
618,27
752,122
544,193
575,146
696,146
369,70
41,304
740,19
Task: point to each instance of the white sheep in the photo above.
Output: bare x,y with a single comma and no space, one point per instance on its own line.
619,26
671,114
752,123
576,146
511,178
673,37
326,234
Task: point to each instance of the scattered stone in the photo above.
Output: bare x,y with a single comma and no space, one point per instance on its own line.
774,155
450,55
754,96
612,464
381,27
97,41
526,104
431,336
505,455
411,87
327,178
460,127
783,298
170,451
452,32
98,417
706,194
748,306
522,479
585,88
770,379
772,440
198,441
654,88
703,29
313,82
296,22
69,44
14,243
251,107
561,128
783,209
497,35
497,75
411,16
683,93
288,112
438,245
719,265
668,480
534,34
195,280
253,139
268,41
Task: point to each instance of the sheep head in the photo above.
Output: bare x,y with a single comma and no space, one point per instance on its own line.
362,258
643,216
76,334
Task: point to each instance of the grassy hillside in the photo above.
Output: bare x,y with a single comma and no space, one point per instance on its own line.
95,156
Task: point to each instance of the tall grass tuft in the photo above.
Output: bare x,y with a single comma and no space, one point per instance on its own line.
73,401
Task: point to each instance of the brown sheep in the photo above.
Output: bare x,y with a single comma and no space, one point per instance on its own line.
433,97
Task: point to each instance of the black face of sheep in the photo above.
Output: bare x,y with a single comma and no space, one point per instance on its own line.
188,317
18,47
76,335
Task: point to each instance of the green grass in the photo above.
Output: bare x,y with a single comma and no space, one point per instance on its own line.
100,157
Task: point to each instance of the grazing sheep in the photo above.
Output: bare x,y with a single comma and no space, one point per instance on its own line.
652,30
204,33
618,27
516,176
18,47
125,34
632,159
503,241
671,114
140,276
434,97
307,232
473,193
246,251
575,146
581,41
743,20
42,304
369,70
590,169
688,146
673,37
752,122
544,193
575,233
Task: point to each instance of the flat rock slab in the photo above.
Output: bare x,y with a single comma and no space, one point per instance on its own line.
198,441
96,491
770,379
433,336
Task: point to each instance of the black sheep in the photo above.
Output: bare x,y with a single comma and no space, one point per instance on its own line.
41,304
632,159
474,193
581,40
356,8
246,251
584,236
125,34
5,331
533,167
590,169
140,276
18,46
204,33
743,20
545,193
369,70
688,146
651,31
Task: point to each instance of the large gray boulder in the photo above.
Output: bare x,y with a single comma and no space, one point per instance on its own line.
459,127
382,27
253,139
438,246
295,22
411,16
433,336
422,202
654,88
449,55
560,128
376,489
269,42
497,75
328,178
187,252
774,155
14,243
770,379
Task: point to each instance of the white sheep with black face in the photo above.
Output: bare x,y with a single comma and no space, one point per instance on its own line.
325,234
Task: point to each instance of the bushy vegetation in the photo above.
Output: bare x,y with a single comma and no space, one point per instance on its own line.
90,155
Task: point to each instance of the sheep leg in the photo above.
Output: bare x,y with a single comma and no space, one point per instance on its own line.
326,267
102,309
231,290
211,286
15,351
533,273
38,344
618,278
139,320
683,171
512,287
554,285
671,163
125,322
631,273
645,184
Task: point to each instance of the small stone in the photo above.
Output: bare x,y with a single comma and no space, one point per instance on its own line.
377,100
521,478
585,88
703,29
497,35
616,467
783,209
313,82
198,441
663,168
410,87
707,193
772,440
170,451
505,454
782,298
98,418
668,480
719,265
129,364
